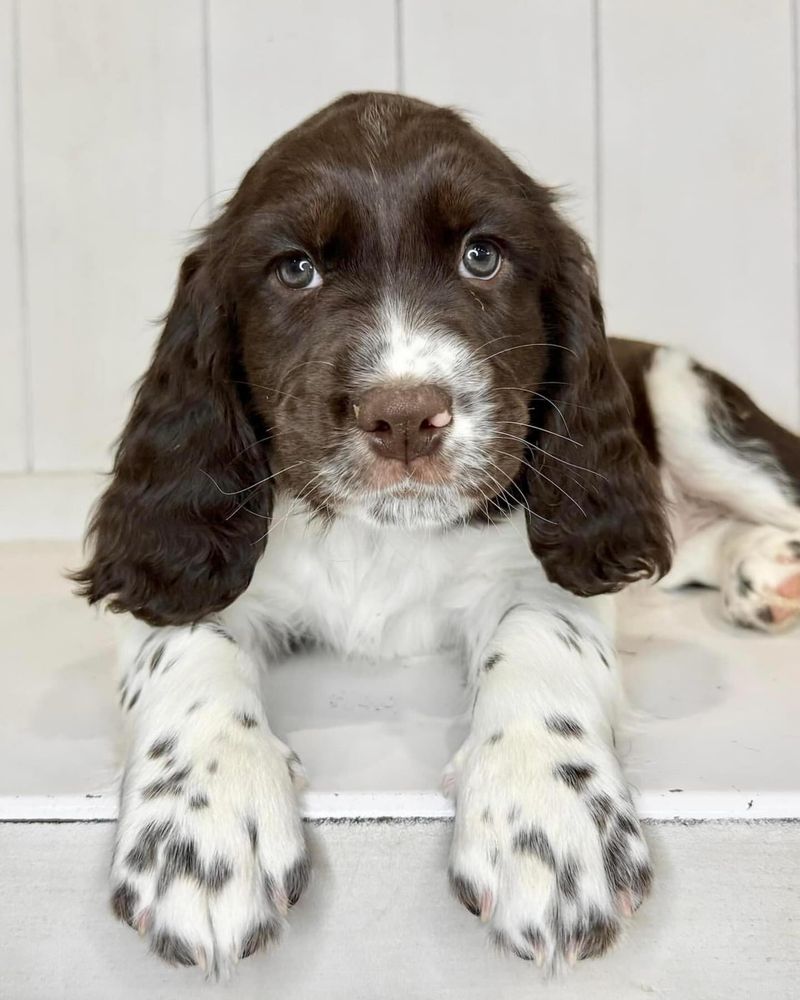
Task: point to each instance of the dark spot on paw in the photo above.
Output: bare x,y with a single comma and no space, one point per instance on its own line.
574,775
627,824
172,949
124,900
602,809
568,624
259,936
567,878
194,706
172,784
513,813
155,659
532,840
180,860
252,833
217,874
641,882
504,943
294,763
564,726
494,738
535,938
765,615
744,585
219,630
466,892
212,767
569,641
142,856
296,879
198,802
133,700
486,815
622,870
589,937
246,720
162,747
601,652
492,662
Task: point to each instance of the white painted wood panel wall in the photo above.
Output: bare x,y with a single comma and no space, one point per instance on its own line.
670,126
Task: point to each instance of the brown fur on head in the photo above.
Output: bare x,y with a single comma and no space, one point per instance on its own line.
255,386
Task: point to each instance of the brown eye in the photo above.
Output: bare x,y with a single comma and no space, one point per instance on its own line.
481,259
298,272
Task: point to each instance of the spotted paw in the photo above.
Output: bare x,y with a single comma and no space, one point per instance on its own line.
761,579
547,849
210,852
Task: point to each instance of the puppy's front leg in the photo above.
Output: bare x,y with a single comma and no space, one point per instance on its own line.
547,847
209,852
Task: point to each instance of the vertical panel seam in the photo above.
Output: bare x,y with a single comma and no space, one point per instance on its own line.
598,132
399,47
795,104
208,111
22,245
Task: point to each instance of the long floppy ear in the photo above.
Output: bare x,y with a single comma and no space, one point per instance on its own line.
177,533
601,497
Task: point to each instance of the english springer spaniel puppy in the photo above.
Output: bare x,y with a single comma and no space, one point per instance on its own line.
383,416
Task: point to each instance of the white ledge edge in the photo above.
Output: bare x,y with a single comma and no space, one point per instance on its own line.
424,805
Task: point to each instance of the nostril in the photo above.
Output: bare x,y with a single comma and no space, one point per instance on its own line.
381,427
437,420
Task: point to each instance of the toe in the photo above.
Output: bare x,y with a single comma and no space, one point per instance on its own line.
468,892
790,588
296,879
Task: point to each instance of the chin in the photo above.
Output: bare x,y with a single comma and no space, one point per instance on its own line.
411,510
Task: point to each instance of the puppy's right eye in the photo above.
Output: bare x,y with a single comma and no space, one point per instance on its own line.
298,272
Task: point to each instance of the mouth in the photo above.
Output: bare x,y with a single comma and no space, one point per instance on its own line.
425,495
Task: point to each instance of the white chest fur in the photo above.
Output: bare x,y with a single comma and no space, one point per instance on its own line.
383,591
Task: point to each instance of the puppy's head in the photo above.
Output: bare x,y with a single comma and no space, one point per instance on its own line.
390,321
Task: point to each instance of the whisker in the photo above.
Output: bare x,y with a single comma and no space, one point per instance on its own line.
312,361
549,480
301,496
267,388
233,493
544,430
572,465
503,336
516,486
253,445
519,347
555,406
530,444
565,402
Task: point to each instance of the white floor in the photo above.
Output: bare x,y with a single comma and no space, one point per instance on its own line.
717,741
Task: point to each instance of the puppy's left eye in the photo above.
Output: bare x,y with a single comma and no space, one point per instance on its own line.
298,272
481,259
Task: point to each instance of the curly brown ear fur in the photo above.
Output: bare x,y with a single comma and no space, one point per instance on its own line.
170,542
603,497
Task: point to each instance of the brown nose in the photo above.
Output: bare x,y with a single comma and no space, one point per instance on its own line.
404,421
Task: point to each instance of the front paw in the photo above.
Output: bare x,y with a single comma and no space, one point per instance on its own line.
547,848
210,852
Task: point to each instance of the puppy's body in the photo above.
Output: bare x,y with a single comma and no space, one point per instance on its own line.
731,476
387,358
